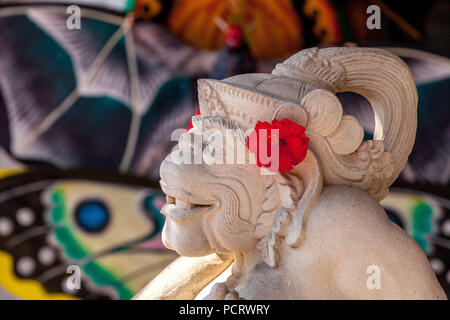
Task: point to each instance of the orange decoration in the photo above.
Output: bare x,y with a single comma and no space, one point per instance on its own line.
326,24
272,28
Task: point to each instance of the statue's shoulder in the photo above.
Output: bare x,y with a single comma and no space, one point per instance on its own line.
350,230
348,214
346,203
347,223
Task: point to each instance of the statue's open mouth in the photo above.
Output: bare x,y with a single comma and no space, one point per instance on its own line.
181,204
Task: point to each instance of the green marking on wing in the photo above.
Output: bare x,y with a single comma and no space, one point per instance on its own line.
73,250
59,217
58,206
421,223
63,234
102,277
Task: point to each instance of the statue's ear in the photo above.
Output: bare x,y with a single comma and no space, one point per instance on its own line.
311,174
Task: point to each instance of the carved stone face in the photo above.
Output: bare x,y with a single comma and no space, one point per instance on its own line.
210,207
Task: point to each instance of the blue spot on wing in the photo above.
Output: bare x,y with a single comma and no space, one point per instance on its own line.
92,216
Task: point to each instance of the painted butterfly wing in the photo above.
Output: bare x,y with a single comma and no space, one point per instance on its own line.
108,226
50,92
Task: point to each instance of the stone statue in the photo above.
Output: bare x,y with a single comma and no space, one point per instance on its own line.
316,231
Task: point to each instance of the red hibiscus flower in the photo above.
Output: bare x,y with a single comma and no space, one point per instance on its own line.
287,136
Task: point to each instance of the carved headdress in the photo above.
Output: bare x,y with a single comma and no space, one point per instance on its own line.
291,91
303,88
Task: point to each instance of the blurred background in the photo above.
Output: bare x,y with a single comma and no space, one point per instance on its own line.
88,107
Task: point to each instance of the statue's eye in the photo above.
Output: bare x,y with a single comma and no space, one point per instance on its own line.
92,216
